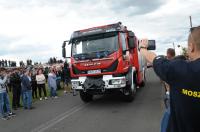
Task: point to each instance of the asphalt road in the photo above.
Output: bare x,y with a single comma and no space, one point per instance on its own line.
104,114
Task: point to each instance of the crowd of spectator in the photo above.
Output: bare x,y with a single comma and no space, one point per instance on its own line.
28,62
27,83
7,63
54,60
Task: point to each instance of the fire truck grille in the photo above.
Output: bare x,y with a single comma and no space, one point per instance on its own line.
111,68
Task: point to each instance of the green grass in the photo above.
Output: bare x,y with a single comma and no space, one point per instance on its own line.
59,93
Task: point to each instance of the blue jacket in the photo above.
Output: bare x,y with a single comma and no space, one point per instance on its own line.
52,81
26,83
184,80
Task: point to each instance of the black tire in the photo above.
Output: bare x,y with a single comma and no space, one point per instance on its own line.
131,96
86,97
132,91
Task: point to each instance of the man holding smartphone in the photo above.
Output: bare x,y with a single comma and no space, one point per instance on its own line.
184,80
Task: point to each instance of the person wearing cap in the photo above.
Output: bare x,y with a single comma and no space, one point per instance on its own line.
184,80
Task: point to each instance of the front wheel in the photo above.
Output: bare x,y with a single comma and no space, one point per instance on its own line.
130,89
129,93
86,97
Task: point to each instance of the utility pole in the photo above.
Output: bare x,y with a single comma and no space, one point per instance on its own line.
191,21
173,45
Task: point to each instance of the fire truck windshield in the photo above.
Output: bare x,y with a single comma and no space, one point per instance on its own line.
101,45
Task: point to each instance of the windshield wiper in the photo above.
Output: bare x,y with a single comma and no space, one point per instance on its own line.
93,55
102,53
81,56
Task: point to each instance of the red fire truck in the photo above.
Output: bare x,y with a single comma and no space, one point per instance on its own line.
106,59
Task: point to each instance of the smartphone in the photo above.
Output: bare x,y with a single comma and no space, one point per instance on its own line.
151,45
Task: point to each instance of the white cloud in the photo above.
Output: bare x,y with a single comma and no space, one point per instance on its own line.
36,28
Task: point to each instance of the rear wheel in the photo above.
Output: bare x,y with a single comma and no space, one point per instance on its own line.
86,97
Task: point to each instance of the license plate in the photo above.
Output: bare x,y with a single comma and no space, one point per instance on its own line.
94,71
117,86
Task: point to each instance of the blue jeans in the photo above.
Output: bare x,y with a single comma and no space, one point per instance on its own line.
4,104
27,99
52,92
165,120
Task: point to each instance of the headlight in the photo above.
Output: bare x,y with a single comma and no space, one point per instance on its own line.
118,81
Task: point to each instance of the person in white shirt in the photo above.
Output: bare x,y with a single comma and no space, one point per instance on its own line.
40,78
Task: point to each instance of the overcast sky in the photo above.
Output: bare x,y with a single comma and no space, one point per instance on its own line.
36,28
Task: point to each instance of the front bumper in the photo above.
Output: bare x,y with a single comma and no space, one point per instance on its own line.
110,82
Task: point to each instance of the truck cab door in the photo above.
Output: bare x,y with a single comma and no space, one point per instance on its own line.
125,50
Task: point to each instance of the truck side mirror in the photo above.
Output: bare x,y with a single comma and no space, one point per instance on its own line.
64,50
151,45
131,40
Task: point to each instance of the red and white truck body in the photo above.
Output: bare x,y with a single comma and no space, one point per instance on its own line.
104,59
